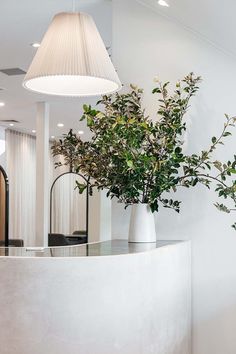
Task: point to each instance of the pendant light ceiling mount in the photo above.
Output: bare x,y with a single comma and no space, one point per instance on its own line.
72,60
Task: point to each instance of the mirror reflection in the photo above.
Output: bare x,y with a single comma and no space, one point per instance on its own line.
68,211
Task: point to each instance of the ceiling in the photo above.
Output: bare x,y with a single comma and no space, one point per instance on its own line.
212,20
22,23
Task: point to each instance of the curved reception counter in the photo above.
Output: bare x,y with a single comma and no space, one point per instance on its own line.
104,298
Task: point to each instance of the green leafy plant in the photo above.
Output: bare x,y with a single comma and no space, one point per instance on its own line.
139,160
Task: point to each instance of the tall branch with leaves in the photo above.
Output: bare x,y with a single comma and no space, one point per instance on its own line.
138,160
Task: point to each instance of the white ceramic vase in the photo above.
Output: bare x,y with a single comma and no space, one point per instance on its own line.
142,224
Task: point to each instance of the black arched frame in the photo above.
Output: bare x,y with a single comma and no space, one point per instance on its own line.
6,182
87,199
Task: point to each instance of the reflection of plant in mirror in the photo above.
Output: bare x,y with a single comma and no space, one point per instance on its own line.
138,160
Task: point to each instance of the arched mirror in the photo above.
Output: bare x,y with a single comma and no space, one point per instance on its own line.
4,208
68,210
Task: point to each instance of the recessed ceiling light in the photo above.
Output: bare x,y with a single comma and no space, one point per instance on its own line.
163,3
33,131
35,45
11,125
80,132
60,125
2,104
52,137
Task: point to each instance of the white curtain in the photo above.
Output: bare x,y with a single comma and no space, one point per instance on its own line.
69,207
21,169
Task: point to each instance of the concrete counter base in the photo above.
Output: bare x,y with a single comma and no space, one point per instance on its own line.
125,304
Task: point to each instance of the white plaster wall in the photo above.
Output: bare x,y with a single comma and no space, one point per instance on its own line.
146,45
129,304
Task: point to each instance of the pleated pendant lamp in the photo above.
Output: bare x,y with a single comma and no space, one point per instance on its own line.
72,60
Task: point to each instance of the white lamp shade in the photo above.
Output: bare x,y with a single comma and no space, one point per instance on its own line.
72,60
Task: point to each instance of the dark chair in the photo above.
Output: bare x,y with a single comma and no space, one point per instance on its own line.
79,232
13,243
78,237
57,240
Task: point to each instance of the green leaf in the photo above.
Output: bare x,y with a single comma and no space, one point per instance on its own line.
156,90
226,134
144,125
81,187
86,108
194,182
131,120
218,165
130,163
178,150
213,139
222,207
90,121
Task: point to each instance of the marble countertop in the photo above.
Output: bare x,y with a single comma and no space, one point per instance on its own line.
105,248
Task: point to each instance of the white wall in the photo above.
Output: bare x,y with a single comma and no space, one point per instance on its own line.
146,45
